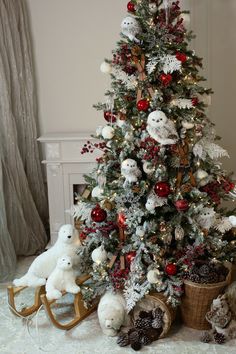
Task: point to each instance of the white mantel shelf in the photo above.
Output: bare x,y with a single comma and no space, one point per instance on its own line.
65,166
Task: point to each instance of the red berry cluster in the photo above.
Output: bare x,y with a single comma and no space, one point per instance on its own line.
123,57
119,276
151,150
214,188
90,147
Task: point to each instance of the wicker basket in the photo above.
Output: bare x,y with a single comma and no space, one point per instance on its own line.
152,301
197,300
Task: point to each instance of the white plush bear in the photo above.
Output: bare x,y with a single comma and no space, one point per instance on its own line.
130,28
130,171
67,244
161,129
112,313
61,279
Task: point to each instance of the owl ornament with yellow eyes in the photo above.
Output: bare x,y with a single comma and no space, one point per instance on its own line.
130,171
161,129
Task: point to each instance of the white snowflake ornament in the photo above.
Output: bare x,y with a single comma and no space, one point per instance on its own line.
183,103
108,132
161,129
130,28
130,171
170,64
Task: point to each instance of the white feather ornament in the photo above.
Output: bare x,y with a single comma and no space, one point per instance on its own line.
184,103
170,64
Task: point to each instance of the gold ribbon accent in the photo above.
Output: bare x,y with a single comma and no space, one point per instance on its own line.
140,65
183,151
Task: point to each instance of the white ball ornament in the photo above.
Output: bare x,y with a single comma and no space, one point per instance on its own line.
187,125
106,68
153,276
201,174
153,7
186,19
97,192
99,255
99,130
108,132
232,220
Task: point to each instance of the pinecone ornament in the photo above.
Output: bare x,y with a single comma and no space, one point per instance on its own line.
123,340
136,346
219,338
157,313
195,278
143,323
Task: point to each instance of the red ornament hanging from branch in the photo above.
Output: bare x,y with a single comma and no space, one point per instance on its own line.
162,189
166,79
171,269
98,214
143,105
131,7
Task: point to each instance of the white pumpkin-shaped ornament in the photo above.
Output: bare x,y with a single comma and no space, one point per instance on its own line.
202,177
108,132
99,255
106,68
187,125
154,276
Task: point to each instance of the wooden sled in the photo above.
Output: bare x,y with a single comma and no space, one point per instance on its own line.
80,311
12,291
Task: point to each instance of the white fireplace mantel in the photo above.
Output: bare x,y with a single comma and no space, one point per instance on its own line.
65,166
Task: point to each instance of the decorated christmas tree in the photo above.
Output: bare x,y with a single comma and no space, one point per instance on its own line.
156,193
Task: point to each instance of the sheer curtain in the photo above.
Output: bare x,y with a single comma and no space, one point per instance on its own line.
23,204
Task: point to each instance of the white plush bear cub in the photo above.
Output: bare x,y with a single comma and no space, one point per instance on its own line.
61,279
112,313
67,244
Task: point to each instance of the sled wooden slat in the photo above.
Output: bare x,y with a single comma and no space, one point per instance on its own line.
12,291
81,312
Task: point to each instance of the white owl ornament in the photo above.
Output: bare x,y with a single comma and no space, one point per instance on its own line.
161,129
130,171
207,218
130,28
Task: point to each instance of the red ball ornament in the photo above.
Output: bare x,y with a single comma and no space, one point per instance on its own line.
195,101
109,117
143,105
182,205
130,256
131,6
98,214
181,57
166,79
162,189
171,269
121,220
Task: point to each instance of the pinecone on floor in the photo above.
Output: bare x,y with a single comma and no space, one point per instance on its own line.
134,335
123,340
154,333
143,323
205,337
219,338
157,323
145,340
136,346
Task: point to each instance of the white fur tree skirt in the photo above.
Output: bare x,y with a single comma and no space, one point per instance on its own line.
19,336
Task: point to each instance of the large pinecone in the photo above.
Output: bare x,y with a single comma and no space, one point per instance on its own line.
123,340
157,323
143,323
204,270
134,335
157,313
136,346
219,338
194,278
145,340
